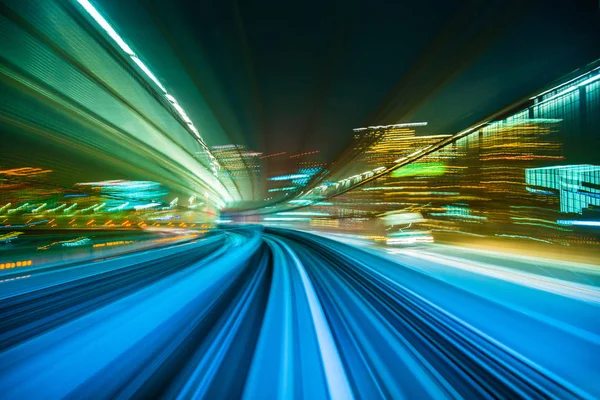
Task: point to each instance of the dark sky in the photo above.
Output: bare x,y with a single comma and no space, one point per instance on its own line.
297,76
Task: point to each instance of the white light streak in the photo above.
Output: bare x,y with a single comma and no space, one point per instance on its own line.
105,25
578,223
405,125
146,206
566,83
148,73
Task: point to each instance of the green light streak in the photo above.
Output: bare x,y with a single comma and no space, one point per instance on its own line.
420,169
57,208
66,210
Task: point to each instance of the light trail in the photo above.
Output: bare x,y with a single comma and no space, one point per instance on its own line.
552,285
281,313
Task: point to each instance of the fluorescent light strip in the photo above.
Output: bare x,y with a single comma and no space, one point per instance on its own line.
566,83
569,90
148,73
102,22
588,81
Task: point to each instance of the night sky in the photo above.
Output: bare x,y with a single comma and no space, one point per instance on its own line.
298,76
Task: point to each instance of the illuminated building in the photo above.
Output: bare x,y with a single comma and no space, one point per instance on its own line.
576,101
27,189
294,171
506,149
471,184
577,186
309,164
276,164
382,145
242,166
501,177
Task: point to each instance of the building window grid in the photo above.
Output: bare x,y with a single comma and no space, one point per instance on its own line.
593,102
566,87
565,107
519,116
